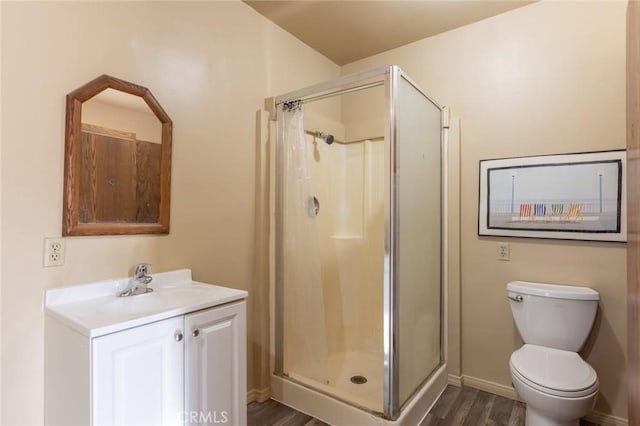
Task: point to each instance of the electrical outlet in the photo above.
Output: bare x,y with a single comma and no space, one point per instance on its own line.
53,251
504,251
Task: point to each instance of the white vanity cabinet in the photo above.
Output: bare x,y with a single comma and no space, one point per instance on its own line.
137,375
179,360
215,360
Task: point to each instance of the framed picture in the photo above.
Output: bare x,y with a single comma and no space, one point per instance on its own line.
568,196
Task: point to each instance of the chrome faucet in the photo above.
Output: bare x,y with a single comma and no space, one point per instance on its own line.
138,284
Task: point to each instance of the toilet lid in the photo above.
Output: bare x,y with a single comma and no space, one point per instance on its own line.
554,369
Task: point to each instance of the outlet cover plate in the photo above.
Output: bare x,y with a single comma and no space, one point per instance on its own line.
54,251
504,251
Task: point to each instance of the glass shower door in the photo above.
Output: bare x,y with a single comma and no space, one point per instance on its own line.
416,238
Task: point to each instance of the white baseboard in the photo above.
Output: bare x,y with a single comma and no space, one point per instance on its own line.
601,419
258,395
491,387
606,419
455,380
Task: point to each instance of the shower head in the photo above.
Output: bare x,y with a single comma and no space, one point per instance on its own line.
328,138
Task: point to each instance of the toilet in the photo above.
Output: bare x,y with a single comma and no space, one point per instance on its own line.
554,321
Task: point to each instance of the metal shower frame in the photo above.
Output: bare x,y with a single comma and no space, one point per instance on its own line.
389,76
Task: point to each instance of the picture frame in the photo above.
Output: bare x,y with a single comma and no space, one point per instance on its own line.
579,196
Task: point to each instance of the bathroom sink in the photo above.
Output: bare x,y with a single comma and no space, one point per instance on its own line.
141,304
96,309
158,300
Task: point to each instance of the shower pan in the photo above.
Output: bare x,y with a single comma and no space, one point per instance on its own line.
358,297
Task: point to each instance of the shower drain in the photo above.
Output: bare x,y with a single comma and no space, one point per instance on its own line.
358,380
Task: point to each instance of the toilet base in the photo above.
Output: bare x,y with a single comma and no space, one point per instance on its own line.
535,418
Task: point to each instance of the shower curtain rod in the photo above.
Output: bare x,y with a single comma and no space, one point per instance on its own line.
335,93
336,86
338,141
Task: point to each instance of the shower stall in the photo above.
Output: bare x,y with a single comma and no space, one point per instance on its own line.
358,297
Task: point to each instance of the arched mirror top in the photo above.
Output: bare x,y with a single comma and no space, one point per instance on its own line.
117,160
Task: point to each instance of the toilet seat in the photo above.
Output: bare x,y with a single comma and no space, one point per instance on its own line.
554,371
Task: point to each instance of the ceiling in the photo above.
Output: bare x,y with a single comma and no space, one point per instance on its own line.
345,31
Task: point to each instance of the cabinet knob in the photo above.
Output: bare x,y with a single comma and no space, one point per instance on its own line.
195,333
178,336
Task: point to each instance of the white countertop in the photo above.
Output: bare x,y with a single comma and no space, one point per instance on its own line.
94,309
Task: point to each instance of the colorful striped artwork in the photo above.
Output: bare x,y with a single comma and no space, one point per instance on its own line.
557,209
525,210
565,196
556,212
575,211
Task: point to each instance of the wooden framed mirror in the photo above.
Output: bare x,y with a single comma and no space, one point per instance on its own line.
117,168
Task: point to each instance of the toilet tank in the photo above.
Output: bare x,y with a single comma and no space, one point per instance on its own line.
552,315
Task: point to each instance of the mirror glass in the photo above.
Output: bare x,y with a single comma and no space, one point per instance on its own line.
116,170
120,161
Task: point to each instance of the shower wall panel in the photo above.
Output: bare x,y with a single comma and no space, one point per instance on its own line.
365,114
349,183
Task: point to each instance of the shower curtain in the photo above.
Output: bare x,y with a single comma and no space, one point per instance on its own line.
305,342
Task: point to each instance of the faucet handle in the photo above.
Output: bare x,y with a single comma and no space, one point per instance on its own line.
141,269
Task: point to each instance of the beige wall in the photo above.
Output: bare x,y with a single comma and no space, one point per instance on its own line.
633,218
519,90
210,65
546,78
1,258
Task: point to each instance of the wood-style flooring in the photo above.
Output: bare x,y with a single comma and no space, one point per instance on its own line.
469,406
456,406
272,413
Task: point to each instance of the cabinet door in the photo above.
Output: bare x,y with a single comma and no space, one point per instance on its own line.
216,378
138,376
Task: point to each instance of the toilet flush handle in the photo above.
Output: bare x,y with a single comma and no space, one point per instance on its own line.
517,298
